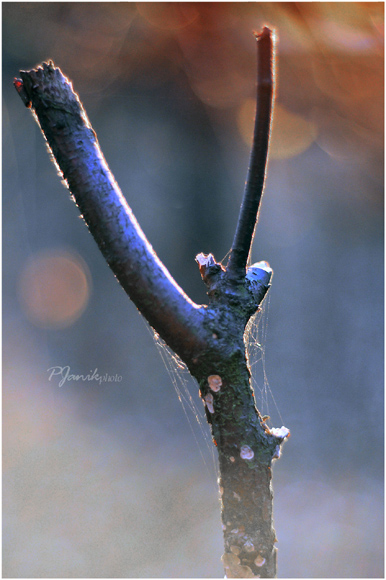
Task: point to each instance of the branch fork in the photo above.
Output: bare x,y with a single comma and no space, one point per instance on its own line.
208,338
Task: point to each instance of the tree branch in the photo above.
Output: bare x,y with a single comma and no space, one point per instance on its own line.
253,192
209,339
76,150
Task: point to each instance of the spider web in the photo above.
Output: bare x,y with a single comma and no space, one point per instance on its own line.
255,340
181,378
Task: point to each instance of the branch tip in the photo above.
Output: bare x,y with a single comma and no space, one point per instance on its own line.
19,86
264,33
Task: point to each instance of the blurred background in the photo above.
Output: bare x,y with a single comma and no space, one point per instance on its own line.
106,479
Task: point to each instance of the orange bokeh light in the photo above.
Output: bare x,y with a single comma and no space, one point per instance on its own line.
291,133
54,289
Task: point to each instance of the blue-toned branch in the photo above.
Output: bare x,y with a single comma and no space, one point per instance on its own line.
209,339
76,150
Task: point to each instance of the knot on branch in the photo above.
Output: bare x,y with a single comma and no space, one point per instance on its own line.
210,270
281,435
245,294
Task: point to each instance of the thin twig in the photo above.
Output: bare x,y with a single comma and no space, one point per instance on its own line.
253,192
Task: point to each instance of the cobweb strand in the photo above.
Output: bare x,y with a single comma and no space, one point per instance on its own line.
179,376
255,338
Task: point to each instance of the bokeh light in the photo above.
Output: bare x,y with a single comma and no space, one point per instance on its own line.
54,288
168,15
291,134
170,89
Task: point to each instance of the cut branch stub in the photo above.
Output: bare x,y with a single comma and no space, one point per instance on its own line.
211,271
258,279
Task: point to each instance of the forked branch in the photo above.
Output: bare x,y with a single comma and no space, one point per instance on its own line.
209,339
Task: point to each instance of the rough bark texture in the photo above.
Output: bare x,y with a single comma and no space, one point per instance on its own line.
208,338
245,445
75,149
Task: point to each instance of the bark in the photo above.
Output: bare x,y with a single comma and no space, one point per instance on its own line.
208,338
